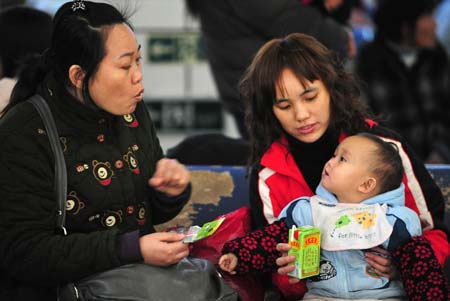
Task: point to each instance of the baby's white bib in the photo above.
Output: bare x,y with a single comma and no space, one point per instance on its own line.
350,226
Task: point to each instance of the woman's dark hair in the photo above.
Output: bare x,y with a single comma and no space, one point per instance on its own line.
391,17
387,166
309,60
80,29
23,31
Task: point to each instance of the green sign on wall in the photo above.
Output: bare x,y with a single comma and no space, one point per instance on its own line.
178,47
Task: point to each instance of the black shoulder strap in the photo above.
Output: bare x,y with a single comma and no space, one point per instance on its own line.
60,164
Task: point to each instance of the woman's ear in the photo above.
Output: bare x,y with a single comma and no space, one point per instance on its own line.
368,186
76,76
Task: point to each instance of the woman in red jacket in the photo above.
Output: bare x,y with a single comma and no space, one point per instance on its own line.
300,103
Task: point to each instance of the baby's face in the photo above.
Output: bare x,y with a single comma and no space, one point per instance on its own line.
348,168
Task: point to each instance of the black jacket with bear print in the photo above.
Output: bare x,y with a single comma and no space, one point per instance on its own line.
109,204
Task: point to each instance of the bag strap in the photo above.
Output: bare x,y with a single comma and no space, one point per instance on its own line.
60,164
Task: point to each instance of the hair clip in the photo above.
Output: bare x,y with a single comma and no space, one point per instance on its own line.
78,4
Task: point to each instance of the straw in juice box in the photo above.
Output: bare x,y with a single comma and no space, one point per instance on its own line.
305,246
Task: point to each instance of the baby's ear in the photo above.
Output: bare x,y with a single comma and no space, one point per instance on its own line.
368,185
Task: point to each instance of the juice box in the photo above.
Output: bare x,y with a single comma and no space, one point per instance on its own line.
305,246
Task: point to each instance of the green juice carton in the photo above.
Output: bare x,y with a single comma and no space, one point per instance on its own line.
305,246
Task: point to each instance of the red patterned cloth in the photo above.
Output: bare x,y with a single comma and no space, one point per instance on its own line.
421,272
257,251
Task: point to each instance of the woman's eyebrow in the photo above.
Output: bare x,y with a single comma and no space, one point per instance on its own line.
129,53
307,90
280,100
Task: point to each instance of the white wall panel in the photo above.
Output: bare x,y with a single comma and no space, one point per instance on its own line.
203,81
164,81
159,14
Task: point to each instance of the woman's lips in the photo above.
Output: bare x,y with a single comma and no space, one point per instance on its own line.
307,129
140,95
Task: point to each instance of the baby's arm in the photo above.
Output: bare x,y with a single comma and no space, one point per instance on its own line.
256,252
228,263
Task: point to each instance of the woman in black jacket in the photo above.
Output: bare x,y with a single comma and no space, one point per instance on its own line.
119,184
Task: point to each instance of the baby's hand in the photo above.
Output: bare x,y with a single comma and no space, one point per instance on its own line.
228,263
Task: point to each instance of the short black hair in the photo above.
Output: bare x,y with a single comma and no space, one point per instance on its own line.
388,166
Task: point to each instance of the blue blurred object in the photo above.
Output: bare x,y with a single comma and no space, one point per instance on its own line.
441,175
442,17
50,6
362,24
363,34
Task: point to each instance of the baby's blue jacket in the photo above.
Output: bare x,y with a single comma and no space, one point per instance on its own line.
343,274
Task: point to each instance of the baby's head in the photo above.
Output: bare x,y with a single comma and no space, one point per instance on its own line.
362,166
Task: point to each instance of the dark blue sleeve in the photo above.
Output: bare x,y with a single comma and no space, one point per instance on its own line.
399,236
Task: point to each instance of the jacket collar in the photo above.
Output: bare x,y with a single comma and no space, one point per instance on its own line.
395,197
72,112
279,159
